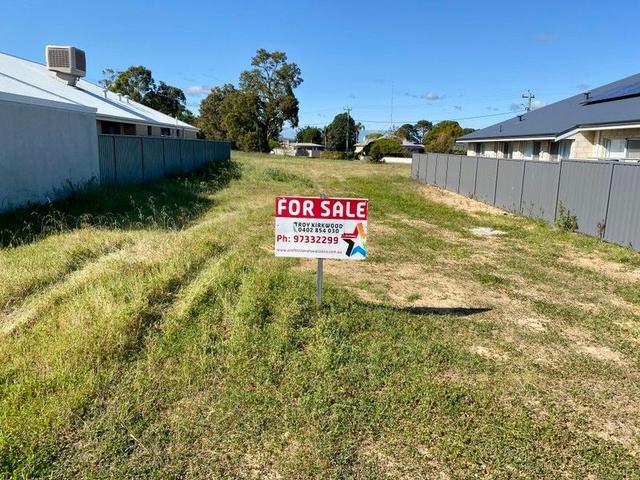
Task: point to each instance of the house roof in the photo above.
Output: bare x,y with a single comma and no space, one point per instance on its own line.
30,79
303,144
616,103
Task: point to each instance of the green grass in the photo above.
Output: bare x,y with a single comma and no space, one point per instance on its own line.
148,332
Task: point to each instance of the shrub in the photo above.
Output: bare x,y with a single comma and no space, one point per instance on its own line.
566,221
332,155
385,147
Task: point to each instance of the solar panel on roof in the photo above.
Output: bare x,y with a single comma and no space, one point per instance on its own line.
624,91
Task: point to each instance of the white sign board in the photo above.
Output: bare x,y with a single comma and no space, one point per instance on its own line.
314,227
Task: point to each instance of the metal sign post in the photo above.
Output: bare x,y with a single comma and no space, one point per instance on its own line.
319,279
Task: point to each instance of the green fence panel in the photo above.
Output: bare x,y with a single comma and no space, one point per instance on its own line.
210,151
200,152
187,155
171,156
152,159
128,154
107,157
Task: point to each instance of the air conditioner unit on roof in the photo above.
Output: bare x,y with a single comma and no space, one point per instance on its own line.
69,63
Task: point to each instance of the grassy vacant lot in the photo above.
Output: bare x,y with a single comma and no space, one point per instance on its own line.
150,332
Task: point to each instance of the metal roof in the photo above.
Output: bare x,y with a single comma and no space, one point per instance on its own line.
566,115
30,79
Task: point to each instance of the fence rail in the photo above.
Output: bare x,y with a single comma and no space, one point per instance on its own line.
603,196
128,160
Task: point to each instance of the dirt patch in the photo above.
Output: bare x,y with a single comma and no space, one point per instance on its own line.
401,284
488,352
458,201
613,270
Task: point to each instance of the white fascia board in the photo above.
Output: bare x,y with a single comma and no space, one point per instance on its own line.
592,128
514,139
43,102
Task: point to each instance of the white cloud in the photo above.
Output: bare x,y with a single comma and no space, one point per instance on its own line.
426,96
432,96
198,90
515,107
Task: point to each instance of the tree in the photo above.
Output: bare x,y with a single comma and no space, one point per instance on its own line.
166,99
442,137
422,128
414,132
373,136
337,132
211,123
385,147
309,135
467,131
108,78
230,114
407,132
272,81
135,82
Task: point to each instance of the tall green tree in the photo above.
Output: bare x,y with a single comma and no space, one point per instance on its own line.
342,127
309,135
166,99
414,132
442,137
135,81
230,114
422,128
272,80
139,84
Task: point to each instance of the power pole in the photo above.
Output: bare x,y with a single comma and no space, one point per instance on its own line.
348,109
529,96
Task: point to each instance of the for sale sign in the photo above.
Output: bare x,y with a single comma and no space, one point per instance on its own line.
315,227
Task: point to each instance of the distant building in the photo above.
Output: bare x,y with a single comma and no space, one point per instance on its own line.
409,147
299,149
601,124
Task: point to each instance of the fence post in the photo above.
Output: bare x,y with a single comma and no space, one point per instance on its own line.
606,211
115,161
475,179
459,173
495,187
143,179
524,172
555,212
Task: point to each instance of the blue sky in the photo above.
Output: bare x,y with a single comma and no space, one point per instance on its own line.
442,60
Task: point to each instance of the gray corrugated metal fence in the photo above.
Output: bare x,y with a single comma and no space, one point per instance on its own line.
129,160
603,196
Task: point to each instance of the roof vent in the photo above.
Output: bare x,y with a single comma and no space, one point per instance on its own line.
520,117
587,95
69,63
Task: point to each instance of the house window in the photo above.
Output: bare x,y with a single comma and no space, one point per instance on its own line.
564,149
615,147
149,130
527,150
507,150
537,146
479,149
633,148
177,133
165,132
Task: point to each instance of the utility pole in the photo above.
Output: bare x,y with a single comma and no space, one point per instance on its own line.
529,96
348,109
